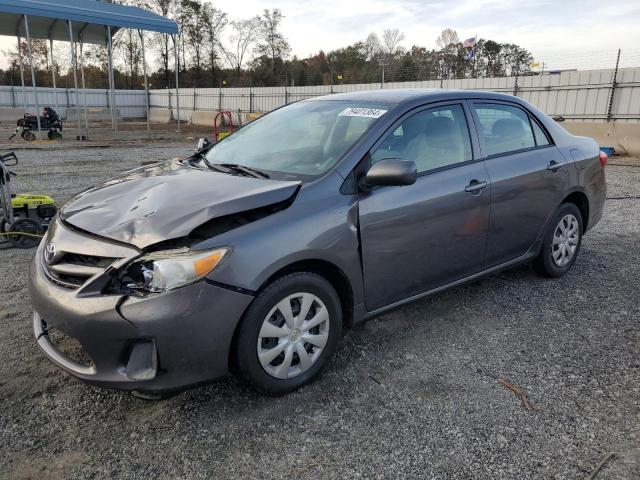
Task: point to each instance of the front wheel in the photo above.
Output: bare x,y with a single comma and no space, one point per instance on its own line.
288,333
561,242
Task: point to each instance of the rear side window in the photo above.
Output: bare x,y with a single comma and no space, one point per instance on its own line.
504,128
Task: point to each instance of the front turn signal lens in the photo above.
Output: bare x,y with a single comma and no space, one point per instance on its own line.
204,265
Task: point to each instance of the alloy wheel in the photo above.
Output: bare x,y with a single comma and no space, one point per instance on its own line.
293,335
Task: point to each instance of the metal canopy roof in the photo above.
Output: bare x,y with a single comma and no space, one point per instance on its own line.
47,19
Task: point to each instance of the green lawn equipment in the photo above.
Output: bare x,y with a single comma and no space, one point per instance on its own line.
23,218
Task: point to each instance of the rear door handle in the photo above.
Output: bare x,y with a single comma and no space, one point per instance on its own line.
554,166
475,186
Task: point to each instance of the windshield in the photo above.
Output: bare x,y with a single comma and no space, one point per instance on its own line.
301,140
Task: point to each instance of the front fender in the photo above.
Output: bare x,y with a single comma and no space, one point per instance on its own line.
321,224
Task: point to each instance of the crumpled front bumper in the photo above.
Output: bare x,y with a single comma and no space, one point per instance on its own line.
155,343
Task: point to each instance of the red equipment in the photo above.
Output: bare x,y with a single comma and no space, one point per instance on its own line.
225,127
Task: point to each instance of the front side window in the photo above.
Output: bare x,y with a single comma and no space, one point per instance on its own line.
300,141
504,128
433,138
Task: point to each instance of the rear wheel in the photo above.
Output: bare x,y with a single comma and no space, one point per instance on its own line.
288,333
561,242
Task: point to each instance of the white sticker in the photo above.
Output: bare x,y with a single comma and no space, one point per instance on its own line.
362,112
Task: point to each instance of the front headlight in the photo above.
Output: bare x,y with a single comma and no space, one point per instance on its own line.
170,269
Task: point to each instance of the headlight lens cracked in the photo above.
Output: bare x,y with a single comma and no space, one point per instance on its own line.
171,269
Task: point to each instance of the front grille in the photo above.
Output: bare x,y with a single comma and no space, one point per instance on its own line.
72,270
69,347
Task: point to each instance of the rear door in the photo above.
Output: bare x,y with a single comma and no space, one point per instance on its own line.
423,236
528,175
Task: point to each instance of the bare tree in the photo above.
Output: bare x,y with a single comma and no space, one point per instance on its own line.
372,46
127,48
194,35
161,40
215,22
447,38
274,44
391,40
243,37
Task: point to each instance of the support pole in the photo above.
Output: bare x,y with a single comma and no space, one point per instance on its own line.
33,73
114,114
146,78
84,88
614,84
75,77
53,75
177,64
24,92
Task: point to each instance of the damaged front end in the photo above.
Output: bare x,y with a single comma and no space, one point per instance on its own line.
173,200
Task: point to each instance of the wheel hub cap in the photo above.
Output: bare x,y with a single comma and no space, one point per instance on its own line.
566,238
293,335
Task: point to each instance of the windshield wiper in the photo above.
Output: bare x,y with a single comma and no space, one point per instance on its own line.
216,166
240,168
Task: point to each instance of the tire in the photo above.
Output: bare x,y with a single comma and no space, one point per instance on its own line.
253,343
560,248
25,233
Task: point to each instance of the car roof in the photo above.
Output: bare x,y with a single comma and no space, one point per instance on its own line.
401,95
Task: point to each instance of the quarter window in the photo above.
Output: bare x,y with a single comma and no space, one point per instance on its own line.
541,137
433,138
504,128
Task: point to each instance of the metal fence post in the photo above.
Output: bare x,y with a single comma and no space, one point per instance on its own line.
614,83
516,88
194,99
220,99
286,95
13,96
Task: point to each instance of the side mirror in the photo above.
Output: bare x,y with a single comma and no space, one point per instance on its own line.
391,172
203,144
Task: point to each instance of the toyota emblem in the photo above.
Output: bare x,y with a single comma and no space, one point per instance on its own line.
50,252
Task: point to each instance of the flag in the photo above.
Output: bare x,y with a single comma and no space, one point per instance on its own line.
469,42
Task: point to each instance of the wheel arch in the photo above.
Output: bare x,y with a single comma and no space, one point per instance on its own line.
330,272
580,200
326,269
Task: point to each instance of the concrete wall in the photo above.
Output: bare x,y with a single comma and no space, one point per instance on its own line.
623,137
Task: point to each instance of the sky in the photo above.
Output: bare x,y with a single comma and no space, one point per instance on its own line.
582,34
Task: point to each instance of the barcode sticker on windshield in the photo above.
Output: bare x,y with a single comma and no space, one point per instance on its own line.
362,112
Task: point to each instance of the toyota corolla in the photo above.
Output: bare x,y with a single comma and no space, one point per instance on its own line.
254,254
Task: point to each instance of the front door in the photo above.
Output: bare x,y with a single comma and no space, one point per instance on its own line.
434,232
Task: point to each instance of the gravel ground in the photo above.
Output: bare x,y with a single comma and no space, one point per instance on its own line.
412,394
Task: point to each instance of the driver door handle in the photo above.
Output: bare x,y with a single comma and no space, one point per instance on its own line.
554,166
475,186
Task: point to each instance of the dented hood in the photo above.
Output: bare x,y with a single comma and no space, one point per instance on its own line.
168,201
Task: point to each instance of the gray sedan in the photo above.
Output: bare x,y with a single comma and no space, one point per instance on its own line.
254,255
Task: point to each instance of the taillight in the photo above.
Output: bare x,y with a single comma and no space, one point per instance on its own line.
604,158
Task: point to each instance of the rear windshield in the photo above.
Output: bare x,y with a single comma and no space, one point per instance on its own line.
301,141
